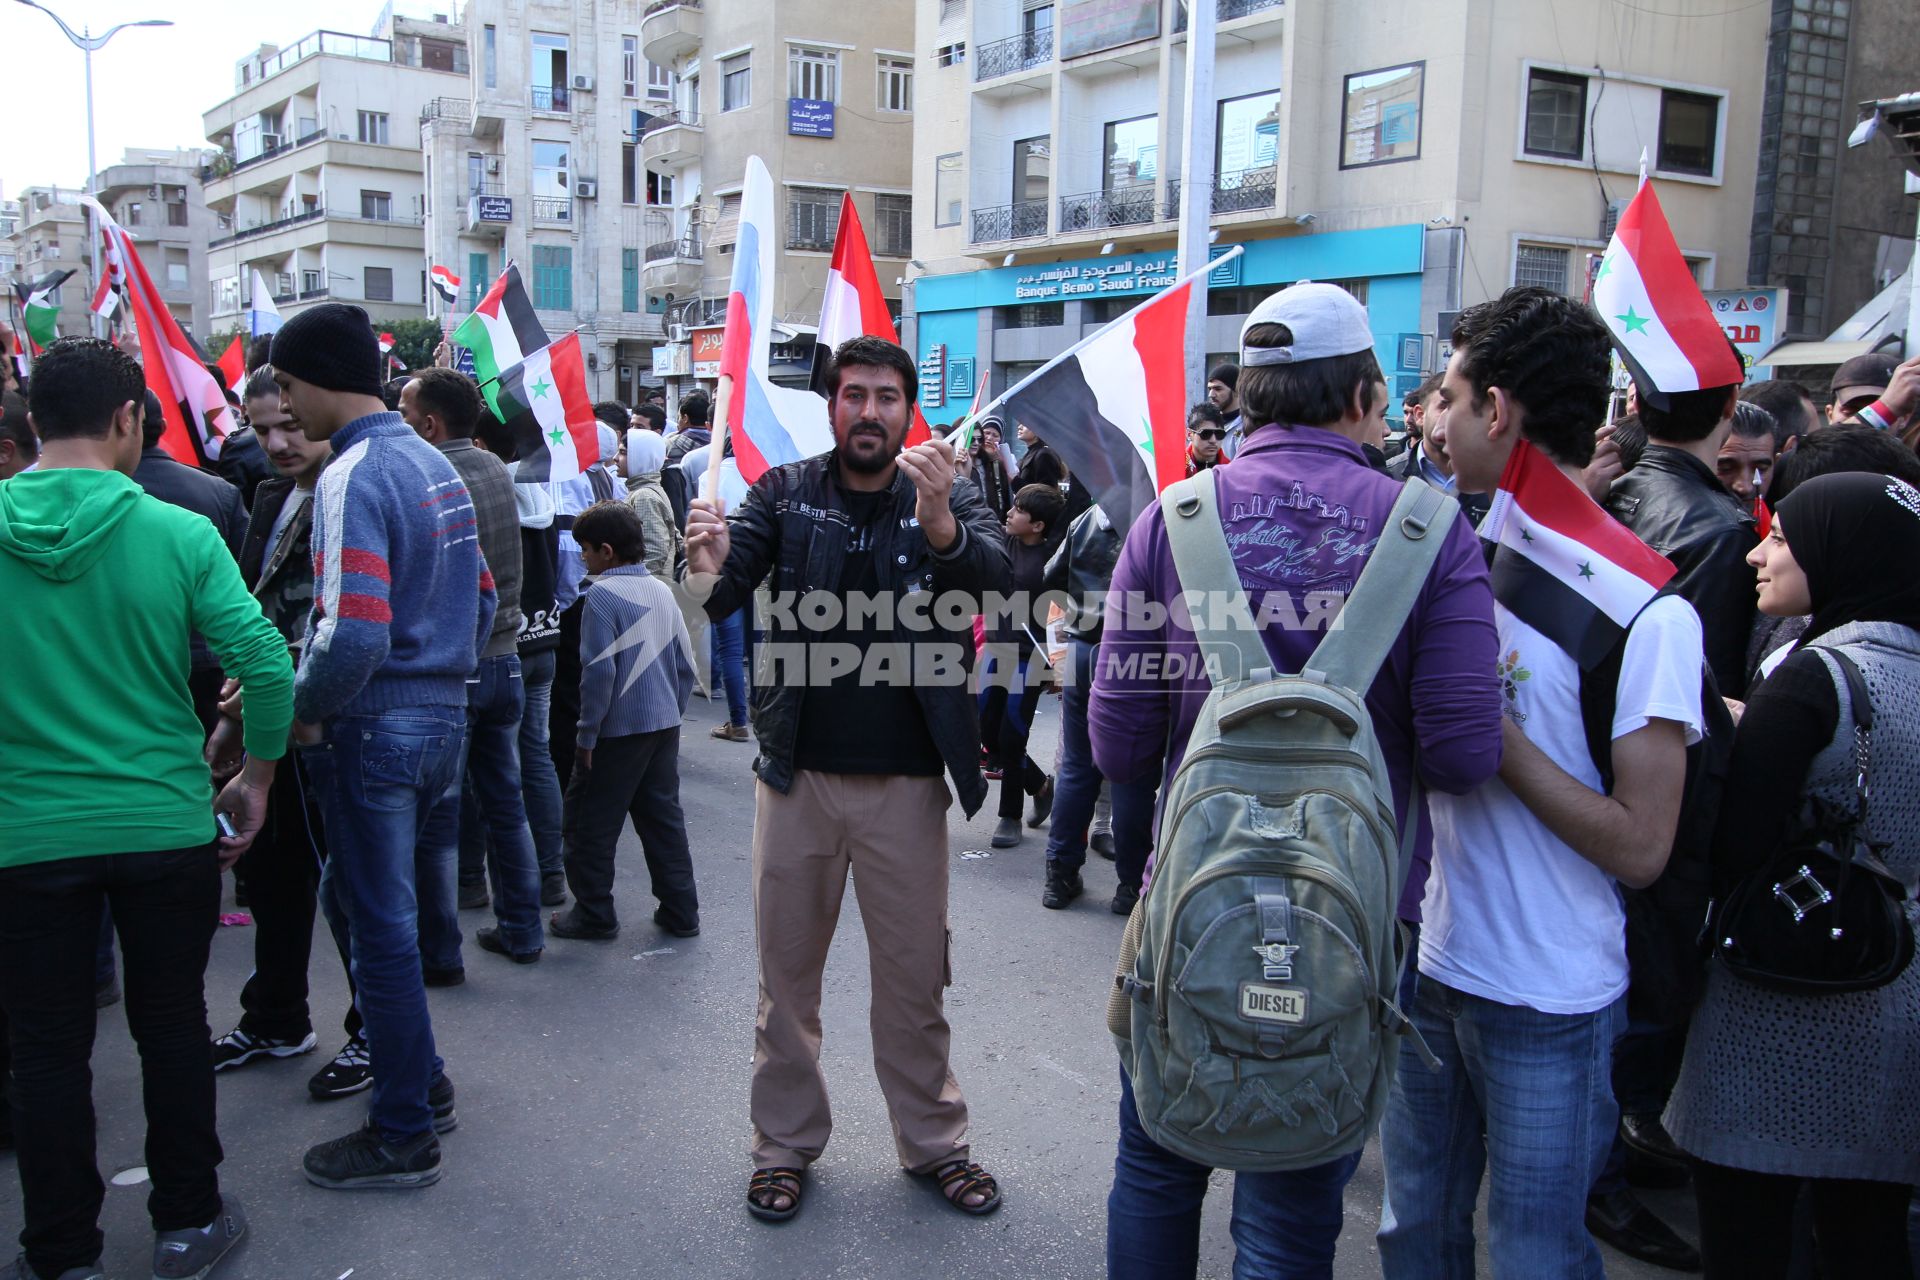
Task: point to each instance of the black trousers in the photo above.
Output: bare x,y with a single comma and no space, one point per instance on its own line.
1746,1225
165,908
1006,720
638,778
283,891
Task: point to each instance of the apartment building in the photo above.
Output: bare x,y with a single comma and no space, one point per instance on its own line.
156,195
318,183
605,156
49,233
1424,155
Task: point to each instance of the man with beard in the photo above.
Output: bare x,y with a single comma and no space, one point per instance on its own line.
851,760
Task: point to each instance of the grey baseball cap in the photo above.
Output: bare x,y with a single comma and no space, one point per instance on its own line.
1326,321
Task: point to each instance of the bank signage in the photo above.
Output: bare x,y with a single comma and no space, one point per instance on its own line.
1131,274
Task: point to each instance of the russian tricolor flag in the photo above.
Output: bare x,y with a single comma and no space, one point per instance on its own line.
854,307
769,425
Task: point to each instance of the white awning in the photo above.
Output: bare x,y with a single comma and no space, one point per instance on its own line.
1802,353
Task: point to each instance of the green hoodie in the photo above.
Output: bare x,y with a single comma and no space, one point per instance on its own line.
100,586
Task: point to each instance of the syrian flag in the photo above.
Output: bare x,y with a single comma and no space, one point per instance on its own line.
854,306
38,311
546,402
1661,324
107,287
500,332
1114,405
444,283
769,425
974,413
193,401
1561,564
262,315
233,364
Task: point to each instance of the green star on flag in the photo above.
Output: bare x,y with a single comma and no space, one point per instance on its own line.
541,387
556,435
1586,569
1525,536
1634,323
1146,435
1606,265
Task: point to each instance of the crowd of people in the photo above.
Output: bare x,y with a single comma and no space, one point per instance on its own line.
381,679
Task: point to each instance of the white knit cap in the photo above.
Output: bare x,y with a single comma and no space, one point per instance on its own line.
1326,321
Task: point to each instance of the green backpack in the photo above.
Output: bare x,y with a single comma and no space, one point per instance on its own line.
1260,1028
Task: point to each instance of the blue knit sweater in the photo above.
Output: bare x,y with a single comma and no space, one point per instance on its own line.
403,600
636,663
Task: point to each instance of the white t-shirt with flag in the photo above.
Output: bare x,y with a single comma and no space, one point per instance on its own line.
1511,913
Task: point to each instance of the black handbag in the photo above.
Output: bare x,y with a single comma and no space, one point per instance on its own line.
1823,915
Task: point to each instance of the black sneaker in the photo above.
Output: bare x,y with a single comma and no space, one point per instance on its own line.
473,897
236,1048
1006,833
1062,887
1102,844
432,977
365,1159
569,925
19,1270
553,889
440,1098
490,940
678,930
1124,898
1042,804
190,1253
350,1071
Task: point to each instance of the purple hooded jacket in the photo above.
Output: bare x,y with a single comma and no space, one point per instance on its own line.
1302,509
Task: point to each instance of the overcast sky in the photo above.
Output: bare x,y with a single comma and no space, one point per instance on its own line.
150,85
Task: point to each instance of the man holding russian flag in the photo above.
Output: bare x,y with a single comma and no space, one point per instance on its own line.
1522,954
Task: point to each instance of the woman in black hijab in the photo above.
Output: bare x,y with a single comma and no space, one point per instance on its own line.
1778,1092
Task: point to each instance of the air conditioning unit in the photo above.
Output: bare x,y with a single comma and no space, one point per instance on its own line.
676,333
586,188
583,83
493,166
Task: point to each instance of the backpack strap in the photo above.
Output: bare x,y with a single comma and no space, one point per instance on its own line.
1351,652
1204,562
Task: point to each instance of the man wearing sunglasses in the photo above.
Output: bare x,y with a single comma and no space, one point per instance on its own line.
1206,428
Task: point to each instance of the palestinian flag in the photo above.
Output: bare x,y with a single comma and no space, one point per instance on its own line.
1115,404
546,402
500,332
38,309
1561,564
233,364
1661,324
444,283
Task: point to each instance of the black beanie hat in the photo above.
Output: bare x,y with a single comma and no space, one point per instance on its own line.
333,347
1227,373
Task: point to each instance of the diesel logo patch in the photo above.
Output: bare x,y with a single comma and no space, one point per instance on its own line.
1272,1004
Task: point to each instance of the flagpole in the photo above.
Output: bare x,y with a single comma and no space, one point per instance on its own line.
717,443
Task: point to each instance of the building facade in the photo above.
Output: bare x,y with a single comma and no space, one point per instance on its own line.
1052,133
49,233
318,182
157,197
606,156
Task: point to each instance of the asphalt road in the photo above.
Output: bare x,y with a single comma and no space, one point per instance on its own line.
603,1099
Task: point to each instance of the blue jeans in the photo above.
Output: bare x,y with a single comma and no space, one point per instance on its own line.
1076,786
377,777
539,783
1285,1225
491,771
730,660
1528,1095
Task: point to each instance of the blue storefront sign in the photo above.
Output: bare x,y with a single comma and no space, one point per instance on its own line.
493,208
809,118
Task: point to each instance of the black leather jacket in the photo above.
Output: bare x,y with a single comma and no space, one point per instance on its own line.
793,525
1677,506
1082,566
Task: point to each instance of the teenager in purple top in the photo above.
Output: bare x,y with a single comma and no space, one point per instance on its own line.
1302,511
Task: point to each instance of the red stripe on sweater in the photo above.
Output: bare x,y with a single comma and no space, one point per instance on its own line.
486,579
360,607
354,560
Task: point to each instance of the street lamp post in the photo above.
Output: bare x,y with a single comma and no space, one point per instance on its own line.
87,42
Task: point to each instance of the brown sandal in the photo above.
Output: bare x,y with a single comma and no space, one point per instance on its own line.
765,1185
963,1178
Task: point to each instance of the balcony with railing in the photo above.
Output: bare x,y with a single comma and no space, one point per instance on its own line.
671,139
259,229
674,263
552,97
554,209
1228,11
1022,221
251,71
1243,191
671,29
1016,53
458,111
1098,210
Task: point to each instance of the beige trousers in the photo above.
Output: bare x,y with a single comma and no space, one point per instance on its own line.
892,833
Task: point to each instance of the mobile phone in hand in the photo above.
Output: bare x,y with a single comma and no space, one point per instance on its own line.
226,826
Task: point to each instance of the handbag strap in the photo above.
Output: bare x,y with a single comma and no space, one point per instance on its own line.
1860,705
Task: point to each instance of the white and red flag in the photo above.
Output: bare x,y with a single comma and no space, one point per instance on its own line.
192,399
853,306
233,363
1114,405
1661,324
1561,564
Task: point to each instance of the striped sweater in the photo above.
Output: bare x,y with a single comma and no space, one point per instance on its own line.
397,620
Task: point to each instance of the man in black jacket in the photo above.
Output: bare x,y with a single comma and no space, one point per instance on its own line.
857,719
